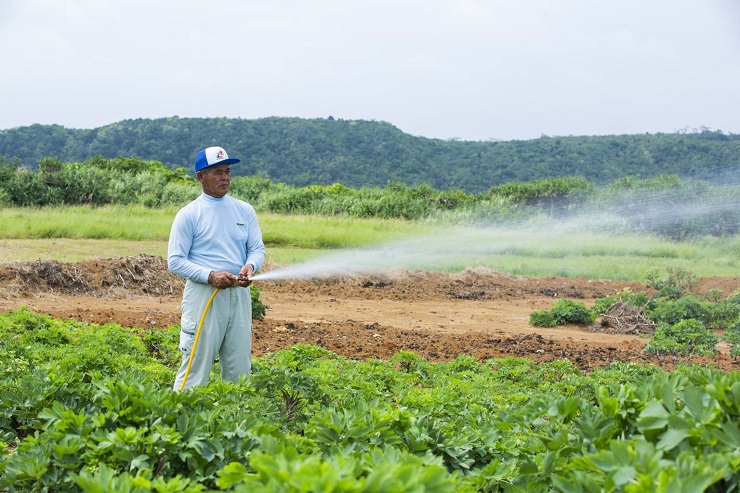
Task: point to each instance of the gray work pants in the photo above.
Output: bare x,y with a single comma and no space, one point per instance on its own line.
226,332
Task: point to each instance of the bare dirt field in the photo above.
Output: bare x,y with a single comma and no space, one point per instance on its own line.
436,315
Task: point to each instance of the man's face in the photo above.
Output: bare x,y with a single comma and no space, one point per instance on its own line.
215,180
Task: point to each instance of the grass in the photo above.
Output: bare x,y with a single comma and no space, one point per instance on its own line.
138,223
324,232
73,234
625,268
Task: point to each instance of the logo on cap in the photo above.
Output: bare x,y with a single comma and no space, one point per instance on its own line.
220,154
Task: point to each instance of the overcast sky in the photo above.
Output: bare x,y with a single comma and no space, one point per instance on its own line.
465,69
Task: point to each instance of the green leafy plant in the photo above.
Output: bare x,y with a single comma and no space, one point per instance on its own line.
713,295
293,391
671,311
543,318
732,336
258,309
687,337
724,312
563,312
310,420
674,284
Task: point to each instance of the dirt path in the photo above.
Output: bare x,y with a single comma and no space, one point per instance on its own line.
437,315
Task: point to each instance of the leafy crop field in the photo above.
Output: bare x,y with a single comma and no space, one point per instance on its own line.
364,400
93,407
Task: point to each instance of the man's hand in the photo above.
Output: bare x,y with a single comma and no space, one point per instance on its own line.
245,275
222,279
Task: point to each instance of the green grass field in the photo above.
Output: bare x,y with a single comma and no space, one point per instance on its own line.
71,234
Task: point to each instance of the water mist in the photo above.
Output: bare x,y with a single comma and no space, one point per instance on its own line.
627,213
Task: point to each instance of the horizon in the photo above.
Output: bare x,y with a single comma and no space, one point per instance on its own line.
680,131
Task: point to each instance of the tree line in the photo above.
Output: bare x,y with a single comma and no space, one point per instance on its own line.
358,153
667,205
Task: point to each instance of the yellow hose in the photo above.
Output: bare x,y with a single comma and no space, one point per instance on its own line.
197,335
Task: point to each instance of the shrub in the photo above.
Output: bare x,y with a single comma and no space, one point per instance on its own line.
723,313
602,305
258,309
635,299
732,337
563,312
572,312
672,311
713,295
686,338
542,318
676,282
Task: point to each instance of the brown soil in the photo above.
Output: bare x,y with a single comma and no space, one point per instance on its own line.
437,315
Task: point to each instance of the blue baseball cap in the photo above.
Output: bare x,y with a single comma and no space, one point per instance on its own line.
212,156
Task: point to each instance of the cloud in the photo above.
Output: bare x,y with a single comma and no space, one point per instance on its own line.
468,69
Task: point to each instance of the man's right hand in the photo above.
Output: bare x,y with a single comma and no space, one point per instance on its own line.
222,279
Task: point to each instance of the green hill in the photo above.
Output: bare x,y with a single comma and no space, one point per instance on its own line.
360,153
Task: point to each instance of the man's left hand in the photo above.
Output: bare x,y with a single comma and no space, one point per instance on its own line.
245,276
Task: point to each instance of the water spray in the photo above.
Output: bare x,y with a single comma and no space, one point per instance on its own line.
635,211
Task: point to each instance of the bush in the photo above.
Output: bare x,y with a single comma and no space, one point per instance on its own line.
725,312
732,337
258,309
676,282
542,318
688,307
686,338
572,312
602,305
563,312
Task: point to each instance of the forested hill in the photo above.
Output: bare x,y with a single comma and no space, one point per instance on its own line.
360,153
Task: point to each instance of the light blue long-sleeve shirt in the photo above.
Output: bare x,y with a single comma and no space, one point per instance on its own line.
211,234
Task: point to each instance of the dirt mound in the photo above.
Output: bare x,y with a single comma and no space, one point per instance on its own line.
122,276
473,285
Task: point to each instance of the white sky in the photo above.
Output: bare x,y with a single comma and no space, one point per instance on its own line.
467,69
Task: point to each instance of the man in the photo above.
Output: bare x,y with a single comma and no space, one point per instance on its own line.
215,243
